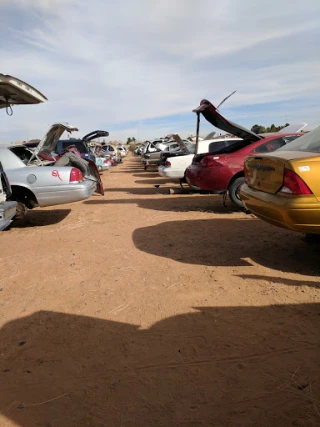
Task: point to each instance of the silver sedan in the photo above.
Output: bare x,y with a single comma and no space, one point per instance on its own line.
42,186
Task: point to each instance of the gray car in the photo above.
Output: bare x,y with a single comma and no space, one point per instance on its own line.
39,182
153,152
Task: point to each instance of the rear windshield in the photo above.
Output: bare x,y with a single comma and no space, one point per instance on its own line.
309,143
274,144
79,144
216,146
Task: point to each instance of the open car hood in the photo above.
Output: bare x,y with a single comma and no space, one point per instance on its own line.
180,142
14,92
95,134
49,141
212,115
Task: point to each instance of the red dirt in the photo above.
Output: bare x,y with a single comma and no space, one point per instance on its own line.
142,308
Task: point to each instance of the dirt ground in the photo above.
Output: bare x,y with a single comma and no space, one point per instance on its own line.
144,308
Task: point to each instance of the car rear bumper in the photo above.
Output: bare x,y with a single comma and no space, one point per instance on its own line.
170,173
59,195
300,213
202,177
7,212
104,167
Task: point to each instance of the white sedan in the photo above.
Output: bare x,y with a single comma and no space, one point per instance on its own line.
175,167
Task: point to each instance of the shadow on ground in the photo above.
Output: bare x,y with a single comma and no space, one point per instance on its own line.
41,218
284,281
227,366
220,242
172,203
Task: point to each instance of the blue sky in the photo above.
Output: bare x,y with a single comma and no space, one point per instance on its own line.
139,68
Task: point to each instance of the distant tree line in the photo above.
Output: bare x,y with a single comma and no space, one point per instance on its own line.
272,128
129,140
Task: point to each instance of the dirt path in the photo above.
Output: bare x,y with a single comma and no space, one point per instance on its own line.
142,308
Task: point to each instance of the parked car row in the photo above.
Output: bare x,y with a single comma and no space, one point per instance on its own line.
52,171
274,175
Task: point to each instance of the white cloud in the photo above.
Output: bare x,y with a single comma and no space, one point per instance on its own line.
102,63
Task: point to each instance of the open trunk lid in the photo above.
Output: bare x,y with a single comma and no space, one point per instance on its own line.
94,172
212,115
49,141
95,134
14,91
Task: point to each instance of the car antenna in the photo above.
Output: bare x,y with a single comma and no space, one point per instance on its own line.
227,97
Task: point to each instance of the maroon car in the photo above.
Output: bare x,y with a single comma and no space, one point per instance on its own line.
223,170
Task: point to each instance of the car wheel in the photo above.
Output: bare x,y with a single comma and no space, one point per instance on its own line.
234,191
21,211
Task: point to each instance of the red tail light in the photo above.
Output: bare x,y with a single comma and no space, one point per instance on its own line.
293,184
167,164
208,161
75,175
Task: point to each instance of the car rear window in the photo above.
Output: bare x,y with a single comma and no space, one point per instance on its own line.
309,143
219,145
274,144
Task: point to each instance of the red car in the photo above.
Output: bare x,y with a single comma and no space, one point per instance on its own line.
223,170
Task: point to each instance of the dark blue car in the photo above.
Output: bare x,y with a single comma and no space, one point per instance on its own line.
81,144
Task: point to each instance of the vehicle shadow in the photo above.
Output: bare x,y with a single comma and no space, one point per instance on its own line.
282,280
41,218
157,180
173,203
215,366
229,242
147,175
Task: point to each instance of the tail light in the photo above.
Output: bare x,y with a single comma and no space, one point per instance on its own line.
75,175
167,164
208,161
293,184
105,161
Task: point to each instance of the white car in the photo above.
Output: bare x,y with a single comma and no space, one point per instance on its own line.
174,167
123,152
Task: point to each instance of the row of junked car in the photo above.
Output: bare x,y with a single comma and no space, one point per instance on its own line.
52,171
276,176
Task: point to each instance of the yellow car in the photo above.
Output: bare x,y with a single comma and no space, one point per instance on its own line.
283,187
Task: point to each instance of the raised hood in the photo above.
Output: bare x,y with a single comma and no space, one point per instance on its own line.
14,92
212,115
95,134
49,141
180,142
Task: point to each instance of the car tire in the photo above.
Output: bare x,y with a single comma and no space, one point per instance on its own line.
21,211
234,191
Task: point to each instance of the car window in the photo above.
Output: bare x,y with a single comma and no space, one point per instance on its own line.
274,144
10,160
269,146
309,142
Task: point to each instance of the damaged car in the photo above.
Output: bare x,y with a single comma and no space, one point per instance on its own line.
13,92
151,156
222,170
41,177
